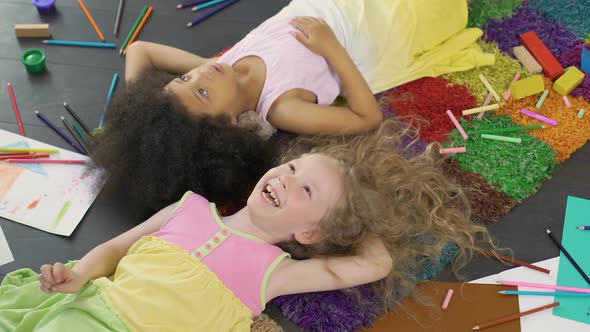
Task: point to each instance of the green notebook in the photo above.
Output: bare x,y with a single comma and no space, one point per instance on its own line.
577,243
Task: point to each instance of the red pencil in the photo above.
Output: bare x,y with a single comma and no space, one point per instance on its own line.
21,128
47,161
513,317
24,156
514,261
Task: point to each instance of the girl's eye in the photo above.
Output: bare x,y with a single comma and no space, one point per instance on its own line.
308,190
184,78
203,92
292,167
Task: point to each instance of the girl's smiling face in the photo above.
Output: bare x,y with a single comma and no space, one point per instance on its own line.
291,199
210,89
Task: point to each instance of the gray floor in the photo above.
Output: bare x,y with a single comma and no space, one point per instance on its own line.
82,77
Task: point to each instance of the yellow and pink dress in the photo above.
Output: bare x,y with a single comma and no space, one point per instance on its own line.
194,274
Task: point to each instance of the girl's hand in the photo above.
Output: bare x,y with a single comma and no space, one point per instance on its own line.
316,35
59,278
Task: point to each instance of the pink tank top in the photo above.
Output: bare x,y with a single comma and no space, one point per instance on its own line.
289,64
242,262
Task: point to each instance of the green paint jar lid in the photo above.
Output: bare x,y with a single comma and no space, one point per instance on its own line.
34,60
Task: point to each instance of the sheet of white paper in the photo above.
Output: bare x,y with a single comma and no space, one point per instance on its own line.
543,321
5,253
50,197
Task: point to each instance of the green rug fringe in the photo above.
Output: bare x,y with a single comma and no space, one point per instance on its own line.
518,169
480,11
499,75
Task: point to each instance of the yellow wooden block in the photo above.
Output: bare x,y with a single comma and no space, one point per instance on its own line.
568,81
527,87
32,30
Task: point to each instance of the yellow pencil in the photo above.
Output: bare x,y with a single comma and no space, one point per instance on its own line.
28,150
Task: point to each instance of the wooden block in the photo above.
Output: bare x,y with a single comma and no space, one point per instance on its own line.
551,67
32,30
568,81
527,87
527,60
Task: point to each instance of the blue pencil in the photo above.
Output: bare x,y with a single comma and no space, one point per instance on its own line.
59,132
109,96
191,3
569,294
78,43
211,13
206,5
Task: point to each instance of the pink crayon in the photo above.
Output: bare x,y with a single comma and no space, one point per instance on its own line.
508,93
445,304
486,102
567,102
539,117
457,124
453,150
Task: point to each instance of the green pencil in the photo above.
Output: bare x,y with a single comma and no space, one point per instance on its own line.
141,15
80,133
503,130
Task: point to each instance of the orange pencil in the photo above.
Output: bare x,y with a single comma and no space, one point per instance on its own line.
96,28
138,30
514,261
21,128
513,317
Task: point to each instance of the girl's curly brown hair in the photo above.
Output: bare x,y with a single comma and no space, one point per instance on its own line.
408,203
154,149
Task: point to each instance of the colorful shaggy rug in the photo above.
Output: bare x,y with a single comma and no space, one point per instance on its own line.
488,166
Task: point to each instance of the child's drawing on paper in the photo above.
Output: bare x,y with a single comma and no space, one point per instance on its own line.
53,198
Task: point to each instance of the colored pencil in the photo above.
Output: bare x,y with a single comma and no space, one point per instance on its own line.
206,5
28,150
567,254
211,13
73,133
19,121
513,317
47,161
135,25
544,286
139,28
190,3
76,117
516,140
118,19
59,132
584,228
457,124
511,292
25,156
78,43
538,117
503,130
80,133
89,16
513,261
109,96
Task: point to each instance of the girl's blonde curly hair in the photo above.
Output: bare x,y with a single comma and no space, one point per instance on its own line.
408,203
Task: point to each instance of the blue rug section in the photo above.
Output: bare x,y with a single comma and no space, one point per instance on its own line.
37,168
573,14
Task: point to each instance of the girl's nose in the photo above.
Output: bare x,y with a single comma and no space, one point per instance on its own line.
284,181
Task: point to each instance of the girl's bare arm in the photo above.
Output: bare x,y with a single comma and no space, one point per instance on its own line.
372,263
142,56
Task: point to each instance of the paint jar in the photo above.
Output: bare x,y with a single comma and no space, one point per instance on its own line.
34,60
586,59
45,6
